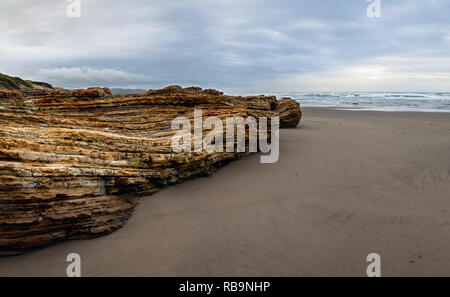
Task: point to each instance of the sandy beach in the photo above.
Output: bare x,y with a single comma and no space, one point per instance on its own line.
348,183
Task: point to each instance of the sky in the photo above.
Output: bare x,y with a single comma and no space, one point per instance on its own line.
238,46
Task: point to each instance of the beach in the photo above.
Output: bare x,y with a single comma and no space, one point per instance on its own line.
347,184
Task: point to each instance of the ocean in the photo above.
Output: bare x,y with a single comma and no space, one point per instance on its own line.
425,102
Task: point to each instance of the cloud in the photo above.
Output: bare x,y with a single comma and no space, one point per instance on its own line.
234,45
397,73
85,77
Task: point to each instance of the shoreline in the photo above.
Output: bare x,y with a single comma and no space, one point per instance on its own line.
338,108
443,113
347,184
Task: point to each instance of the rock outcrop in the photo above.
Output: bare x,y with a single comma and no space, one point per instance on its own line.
16,83
72,163
289,112
11,97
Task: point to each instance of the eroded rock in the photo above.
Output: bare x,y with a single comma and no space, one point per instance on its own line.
289,112
73,163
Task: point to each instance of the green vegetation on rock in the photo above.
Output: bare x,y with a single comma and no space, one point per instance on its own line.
41,84
16,83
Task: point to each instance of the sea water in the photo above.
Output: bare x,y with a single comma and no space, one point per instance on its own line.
428,102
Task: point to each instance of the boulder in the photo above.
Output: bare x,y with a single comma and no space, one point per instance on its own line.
289,112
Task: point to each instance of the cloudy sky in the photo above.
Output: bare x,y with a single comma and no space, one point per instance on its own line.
240,46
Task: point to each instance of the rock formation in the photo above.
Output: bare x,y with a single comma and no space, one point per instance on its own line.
72,163
16,83
289,112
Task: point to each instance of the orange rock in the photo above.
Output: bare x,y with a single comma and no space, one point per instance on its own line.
73,163
289,112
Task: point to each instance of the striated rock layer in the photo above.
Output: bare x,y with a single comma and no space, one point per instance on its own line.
72,163
289,112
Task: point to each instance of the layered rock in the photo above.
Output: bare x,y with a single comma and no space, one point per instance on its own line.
11,97
73,163
289,112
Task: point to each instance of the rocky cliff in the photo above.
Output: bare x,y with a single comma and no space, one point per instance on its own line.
16,83
72,163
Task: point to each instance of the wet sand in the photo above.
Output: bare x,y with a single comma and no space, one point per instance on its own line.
347,184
